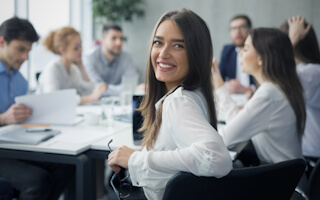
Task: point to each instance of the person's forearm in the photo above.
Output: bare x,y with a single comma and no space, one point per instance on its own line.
84,74
217,82
2,120
294,39
87,99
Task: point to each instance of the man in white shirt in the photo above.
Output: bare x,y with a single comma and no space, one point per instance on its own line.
108,62
237,82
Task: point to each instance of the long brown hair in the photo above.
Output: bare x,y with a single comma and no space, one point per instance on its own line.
307,49
279,67
199,52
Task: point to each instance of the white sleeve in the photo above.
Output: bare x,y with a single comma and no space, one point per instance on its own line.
310,82
49,80
83,87
251,120
226,105
200,149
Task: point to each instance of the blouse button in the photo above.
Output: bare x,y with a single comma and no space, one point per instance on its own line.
137,183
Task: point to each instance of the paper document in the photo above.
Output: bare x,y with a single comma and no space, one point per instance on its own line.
19,135
57,107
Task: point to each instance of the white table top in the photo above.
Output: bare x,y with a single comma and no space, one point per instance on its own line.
72,140
123,137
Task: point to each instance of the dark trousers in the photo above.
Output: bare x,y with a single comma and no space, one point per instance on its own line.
36,180
247,157
6,190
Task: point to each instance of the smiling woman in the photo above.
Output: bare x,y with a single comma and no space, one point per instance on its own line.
169,56
178,109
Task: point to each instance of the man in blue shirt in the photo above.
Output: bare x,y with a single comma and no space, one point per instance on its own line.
12,54
32,180
108,62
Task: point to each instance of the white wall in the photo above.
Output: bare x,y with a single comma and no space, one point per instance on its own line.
217,13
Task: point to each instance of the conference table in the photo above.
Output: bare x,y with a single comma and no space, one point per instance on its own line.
80,145
68,147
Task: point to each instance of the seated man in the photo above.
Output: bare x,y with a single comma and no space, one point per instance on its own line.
237,82
32,180
108,62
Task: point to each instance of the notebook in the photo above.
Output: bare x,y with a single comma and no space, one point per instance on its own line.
19,135
137,119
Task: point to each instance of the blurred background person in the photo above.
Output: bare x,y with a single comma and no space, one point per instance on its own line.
67,71
108,62
273,120
236,81
30,179
307,57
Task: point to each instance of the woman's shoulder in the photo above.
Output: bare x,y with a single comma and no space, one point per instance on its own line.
182,96
53,64
269,91
307,71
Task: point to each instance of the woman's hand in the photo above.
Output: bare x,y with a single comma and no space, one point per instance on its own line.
119,158
217,80
79,63
297,31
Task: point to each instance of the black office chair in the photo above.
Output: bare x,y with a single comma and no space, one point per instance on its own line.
265,182
314,183
6,190
309,189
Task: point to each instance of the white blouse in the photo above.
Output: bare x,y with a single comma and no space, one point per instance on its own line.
186,142
267,119
55,77
309,75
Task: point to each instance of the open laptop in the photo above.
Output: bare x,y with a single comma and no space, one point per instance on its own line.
137,119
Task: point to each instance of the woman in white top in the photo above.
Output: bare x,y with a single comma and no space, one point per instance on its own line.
67,71
179,115
307,56
274,117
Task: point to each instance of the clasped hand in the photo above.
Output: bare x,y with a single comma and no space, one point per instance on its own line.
119,158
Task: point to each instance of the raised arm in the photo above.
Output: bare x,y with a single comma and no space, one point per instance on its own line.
297,29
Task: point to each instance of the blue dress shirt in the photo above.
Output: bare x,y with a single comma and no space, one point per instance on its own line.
11,85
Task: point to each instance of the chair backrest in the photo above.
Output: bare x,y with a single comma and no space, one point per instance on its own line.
6,190
272,181
314,183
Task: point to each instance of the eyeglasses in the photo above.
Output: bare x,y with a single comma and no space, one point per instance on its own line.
241,28
125,186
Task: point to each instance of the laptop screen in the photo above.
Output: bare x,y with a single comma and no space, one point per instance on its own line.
137,119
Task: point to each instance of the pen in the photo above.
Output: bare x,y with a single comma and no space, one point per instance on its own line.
38,129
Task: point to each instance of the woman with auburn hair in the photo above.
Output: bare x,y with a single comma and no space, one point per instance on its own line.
68,71
178,109
307,56
274,118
